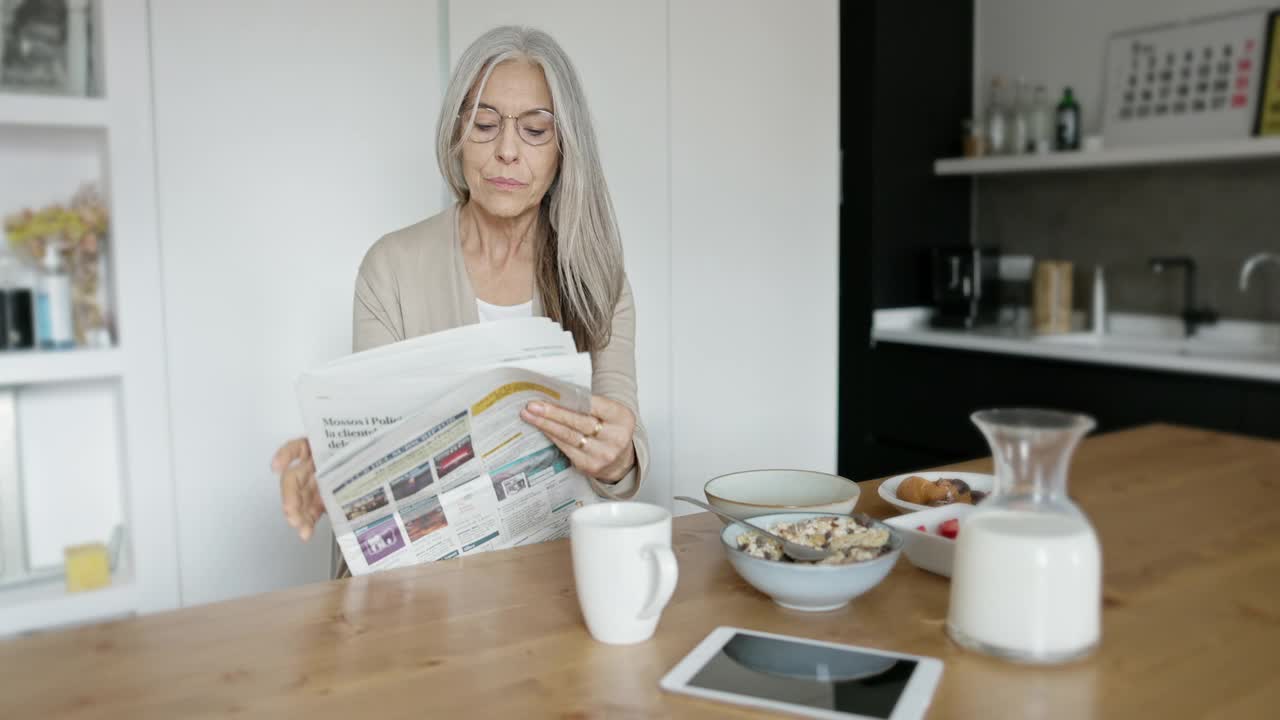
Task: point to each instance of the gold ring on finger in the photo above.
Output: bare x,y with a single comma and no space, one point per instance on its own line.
598,428
582,442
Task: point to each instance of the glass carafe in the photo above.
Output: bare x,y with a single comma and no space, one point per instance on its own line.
1027,580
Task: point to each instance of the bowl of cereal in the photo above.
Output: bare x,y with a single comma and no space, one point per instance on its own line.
864,551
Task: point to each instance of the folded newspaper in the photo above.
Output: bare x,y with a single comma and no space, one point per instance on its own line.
420,451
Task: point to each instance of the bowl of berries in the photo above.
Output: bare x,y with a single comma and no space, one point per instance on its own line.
929,536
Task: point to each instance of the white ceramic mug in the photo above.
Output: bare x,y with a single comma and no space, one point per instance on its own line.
623,567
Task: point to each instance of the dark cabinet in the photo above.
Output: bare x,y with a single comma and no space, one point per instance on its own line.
1261,411
893,208
918,404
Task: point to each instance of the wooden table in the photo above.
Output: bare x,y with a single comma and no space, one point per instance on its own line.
1190,528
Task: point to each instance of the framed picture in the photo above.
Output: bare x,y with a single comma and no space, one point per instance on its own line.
44,46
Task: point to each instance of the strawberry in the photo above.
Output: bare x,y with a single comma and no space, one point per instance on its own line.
922,528
949,529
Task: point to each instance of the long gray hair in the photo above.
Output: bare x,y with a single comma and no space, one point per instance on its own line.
579,267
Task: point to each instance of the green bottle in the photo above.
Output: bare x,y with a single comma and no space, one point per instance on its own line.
1068,122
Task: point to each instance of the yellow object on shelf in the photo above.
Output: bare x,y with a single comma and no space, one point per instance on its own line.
87,567
1269,95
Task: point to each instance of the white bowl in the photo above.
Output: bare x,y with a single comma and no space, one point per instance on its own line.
926,549
760,492
889,488
801,586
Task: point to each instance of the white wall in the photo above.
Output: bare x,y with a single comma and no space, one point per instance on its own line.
290,136
754,245
47,165
1064,43
625,79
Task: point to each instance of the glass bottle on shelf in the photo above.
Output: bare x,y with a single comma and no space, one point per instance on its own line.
1041,123
1027,580
1068,117
996,120
1020,120
94,321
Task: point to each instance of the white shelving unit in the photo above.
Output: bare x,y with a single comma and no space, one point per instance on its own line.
52,111
37,367
42,130
49,605
1221,151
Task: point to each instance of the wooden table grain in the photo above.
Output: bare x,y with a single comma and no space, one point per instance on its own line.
1190,529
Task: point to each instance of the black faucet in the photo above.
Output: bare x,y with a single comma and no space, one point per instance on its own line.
1192,316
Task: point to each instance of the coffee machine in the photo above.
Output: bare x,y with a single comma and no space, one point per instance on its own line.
966,286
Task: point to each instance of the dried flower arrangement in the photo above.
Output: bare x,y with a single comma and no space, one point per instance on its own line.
79,230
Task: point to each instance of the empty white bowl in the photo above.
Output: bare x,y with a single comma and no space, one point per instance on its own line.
926,549
759,492
802,586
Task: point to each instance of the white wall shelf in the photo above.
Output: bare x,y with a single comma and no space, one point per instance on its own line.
52,111
49,605
1220,151
34,367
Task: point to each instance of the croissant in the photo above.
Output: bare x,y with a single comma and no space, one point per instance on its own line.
920,491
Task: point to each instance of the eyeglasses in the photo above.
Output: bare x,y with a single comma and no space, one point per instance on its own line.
535,127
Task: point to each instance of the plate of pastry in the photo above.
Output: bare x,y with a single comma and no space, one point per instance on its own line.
923,490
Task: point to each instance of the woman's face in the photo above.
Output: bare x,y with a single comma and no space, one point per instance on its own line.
506,176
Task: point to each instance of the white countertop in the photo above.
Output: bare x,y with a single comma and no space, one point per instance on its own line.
1233,349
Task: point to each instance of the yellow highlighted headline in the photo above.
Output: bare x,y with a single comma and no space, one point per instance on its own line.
511,389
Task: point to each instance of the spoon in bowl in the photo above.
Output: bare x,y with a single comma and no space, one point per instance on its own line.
795,551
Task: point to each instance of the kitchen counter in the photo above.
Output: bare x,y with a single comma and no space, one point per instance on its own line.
1190,528
1233,349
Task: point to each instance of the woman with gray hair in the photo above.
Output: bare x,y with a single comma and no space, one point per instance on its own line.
532,232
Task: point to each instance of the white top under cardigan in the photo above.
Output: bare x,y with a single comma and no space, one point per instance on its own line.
493,313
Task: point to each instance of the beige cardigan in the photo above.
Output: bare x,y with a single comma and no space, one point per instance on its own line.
414,281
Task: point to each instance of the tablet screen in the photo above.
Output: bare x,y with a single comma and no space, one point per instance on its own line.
802,674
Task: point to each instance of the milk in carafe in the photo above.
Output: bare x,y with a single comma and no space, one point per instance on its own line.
1027,580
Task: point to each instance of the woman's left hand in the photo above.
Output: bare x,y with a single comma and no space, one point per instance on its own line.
600,444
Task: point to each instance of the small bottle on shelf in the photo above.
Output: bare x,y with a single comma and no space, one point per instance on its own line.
6,282
1020,125
1041,124
54,324
974,142
1068,121
996,120
1099,306
17,320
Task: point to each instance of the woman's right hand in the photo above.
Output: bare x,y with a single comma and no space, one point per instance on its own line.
299,496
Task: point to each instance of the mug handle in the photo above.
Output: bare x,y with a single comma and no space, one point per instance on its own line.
668,572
